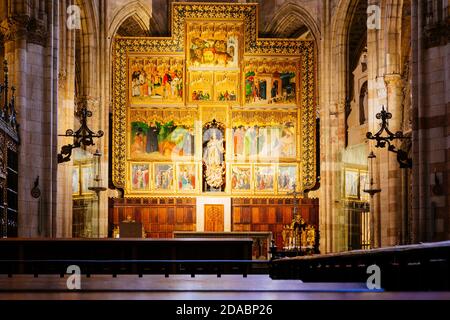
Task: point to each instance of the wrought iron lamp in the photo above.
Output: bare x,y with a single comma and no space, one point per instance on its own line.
402,156
82,137
370,187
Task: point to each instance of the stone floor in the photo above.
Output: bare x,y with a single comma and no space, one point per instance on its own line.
255,287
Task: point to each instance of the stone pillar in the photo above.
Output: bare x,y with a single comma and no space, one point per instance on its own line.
28,50
390,174
431,108
332,114
340,217
376,96
66,92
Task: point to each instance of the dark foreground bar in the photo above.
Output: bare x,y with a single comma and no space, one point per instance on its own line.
413,267
127,256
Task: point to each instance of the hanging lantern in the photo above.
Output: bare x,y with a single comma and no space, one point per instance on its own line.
370,186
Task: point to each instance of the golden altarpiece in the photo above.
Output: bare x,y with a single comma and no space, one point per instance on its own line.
213,112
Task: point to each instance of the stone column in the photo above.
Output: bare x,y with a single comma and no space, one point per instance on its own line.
66,103
375,96
26,47
393,215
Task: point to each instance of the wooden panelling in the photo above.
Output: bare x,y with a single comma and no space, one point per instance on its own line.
160,217
214,218
271,215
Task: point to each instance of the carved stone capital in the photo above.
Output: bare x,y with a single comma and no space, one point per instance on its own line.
393,80
37,32
24,28
14,28
437,34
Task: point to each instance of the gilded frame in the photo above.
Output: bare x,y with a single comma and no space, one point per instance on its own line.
181,117
235,89
130,174
152,55
270,65
241,191
153,183
252,46
195,174
238,24
351,193
285,165
266,119
273,167
190,90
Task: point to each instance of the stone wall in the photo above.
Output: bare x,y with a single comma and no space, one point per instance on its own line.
431,114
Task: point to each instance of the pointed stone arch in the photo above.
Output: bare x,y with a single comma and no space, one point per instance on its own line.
140,13
289,14
341,25
89,41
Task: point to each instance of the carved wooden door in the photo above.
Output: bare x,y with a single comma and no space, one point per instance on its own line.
214,218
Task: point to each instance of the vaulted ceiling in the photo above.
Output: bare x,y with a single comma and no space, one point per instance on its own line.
290,26
132,28
357,36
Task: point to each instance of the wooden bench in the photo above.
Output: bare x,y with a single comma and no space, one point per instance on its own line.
126,256
412,267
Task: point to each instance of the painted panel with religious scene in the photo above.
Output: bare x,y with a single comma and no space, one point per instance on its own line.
140,176
226,87
264,142
164,177
186,177
241,178
351,185
287,178
161,141
201,87
270,81
213,45
156,79
264,178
